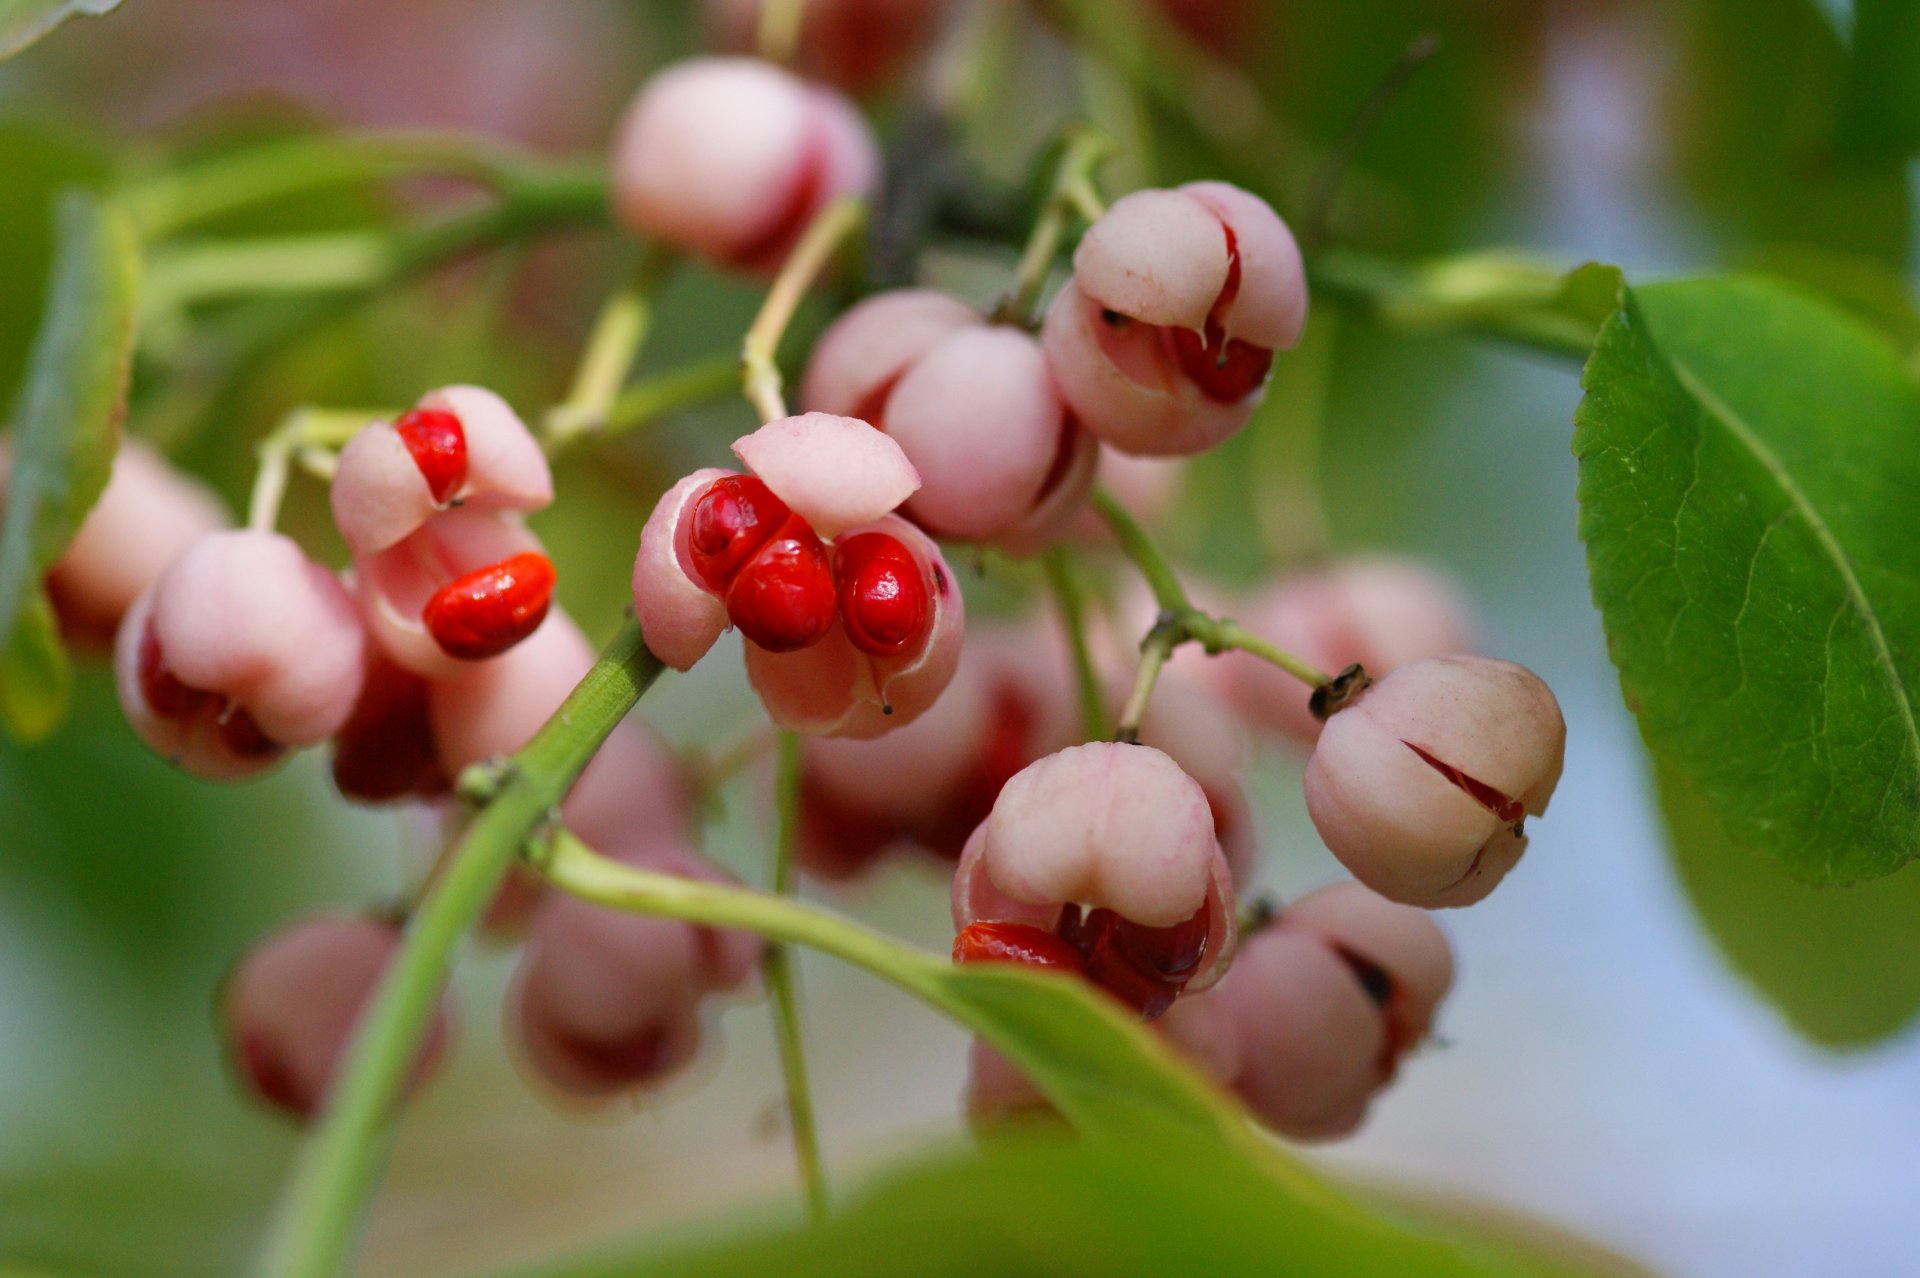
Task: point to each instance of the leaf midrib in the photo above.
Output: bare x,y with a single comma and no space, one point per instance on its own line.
1720,411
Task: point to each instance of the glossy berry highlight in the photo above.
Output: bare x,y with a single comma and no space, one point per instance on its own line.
483,613
437,443
883,601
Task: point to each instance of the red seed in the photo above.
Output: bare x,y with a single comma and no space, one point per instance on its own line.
783,599
1144,967
438,445
487,611
1015,943
883,601
730,522
386,750
1507,809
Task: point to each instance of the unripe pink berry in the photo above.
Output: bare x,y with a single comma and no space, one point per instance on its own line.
461,444
1162,340
837,688
1378,612
971,404
243,649
445,571
1198,732
290,1006
1111,848
147,516
606,1002
1420,784
858,45
1398,953
731,158
1310,1041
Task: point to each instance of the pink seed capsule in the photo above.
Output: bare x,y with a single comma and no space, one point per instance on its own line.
1307,1039
1110,847
607,1002
290,1006
858,45
468,584
147,516
842,688
242,650
731,158
1420,785
1398,953
1162,341
459,444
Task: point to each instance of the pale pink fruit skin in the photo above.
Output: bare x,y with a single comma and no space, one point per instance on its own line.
1378,611
1052,518
632,797
245,615
1193,728
679,618
489,709
1310,1041
609,975
394,586
980,418
1403,941
1270,310
713,153
147,516
834,472
296,998
1165,416
1157,256
1397,824
379,496
907,774
833,689
867,349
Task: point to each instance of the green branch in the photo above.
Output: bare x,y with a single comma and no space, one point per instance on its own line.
776,968
322,1210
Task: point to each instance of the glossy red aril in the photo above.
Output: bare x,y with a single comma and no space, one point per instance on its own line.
438,445
1226,370
883,602
1144,967
764,561
485,612
994,942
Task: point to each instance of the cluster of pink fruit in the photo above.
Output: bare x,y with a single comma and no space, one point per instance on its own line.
438,648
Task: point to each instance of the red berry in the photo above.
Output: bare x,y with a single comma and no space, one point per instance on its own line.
1016,943
731,521
438,444
883,601
487,611
783,599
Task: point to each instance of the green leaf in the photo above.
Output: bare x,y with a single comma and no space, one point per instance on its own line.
1132,1100
1842,964
36,165
1880,114
66,428
1748,471
24,21
1066,1209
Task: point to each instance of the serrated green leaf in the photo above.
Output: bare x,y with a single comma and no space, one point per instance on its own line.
1068,1209
1749,460
1841,964
66,428
24,21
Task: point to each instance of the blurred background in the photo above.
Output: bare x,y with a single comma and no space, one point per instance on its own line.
1603,1066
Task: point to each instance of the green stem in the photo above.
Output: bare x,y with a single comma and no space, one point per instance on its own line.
200,192
778,36
759,372
652,398
304,433
324,1204
1529,303
1166,635
1065,584
1146,556
618,335
1072,195
776,968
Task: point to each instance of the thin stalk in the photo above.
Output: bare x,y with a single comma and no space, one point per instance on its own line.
1219,635
652,398
322,1211
776,969
305,433
777,38
1165,636
760,373
619,333
1072,194
1065,584
1138,546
